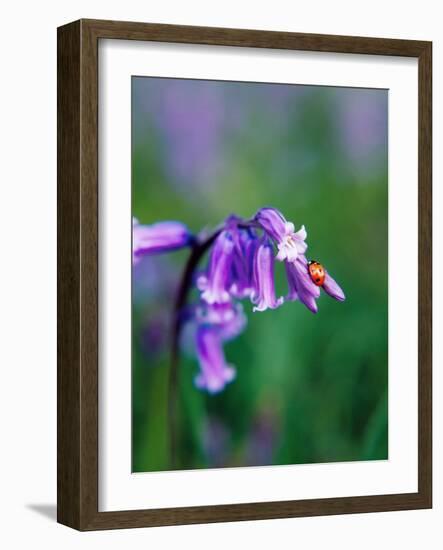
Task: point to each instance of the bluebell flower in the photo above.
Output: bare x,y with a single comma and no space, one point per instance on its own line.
158,237
214,373
242,273
229,318
300,284
215,283
290,244
263,295
216,324
301,287
241,264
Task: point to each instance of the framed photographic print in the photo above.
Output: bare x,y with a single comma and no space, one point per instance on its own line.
244,275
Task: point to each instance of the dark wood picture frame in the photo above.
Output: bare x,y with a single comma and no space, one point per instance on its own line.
77,456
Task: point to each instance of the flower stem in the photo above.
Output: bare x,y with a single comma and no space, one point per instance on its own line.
200,246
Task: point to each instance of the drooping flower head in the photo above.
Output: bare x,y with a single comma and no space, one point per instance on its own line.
241,265
290,244
158,237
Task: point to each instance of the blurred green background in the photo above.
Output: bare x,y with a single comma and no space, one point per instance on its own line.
309,388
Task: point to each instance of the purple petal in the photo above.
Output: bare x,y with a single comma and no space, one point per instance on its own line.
228,319
292,295
234,325
309,302
242,265
215,373
290,244
264,288
332,288
215,284
158,237
300,284
273,222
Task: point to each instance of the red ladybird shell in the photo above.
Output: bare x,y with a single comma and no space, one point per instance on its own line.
317,273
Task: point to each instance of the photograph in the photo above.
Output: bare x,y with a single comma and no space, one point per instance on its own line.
259,274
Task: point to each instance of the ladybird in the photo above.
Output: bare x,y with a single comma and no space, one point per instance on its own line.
317,272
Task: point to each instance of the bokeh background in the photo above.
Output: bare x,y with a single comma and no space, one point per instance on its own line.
309,388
